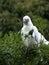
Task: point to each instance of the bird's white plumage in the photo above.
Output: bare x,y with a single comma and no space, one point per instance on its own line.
36,36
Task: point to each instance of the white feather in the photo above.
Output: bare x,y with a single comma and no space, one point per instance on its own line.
36,37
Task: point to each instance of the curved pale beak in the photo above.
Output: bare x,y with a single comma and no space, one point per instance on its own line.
25,21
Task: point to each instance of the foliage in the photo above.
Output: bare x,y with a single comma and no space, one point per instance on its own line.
12,12
14,52
12,48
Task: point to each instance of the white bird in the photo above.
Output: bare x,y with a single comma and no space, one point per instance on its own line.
31,38
27,27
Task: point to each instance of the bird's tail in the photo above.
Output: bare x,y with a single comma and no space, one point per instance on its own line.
45,41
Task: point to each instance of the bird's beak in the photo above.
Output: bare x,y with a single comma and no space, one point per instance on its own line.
25,21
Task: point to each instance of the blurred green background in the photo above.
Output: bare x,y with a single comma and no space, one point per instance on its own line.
12,49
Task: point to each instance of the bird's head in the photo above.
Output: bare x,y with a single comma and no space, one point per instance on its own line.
26,20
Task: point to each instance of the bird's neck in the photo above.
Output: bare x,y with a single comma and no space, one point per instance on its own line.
29,26
30,23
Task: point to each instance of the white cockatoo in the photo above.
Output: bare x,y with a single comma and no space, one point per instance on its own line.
28,39
30,34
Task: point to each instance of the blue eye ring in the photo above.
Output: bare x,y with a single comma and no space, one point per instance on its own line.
25,20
